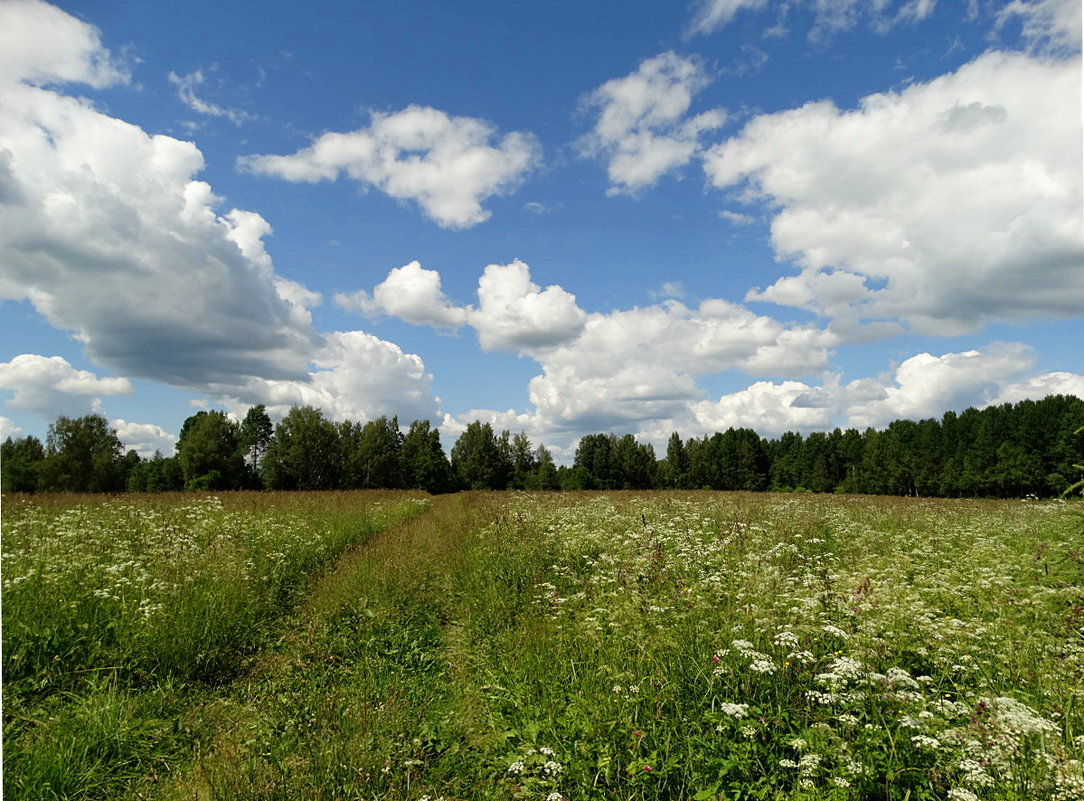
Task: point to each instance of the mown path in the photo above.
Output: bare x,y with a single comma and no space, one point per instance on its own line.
363,661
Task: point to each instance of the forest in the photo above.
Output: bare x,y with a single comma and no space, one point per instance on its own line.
1030,448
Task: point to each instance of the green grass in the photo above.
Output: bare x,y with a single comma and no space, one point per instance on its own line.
598,646
121,617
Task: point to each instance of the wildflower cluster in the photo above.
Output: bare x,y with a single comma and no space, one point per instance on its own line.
842,641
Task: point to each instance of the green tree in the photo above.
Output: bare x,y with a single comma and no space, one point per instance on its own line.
424,464
594,461
545,475
157,474
784,455
373,458
675,468
633,463
304,454
83,454
254,437
477,461
524,462
209,452
20,460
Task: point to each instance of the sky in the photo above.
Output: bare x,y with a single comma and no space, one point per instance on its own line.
561,218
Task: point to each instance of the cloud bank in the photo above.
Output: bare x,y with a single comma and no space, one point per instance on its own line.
107,233
935,209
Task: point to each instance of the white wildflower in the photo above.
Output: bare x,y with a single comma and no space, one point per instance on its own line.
734,710
786,639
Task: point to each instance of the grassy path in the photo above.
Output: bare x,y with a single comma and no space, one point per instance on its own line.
340,706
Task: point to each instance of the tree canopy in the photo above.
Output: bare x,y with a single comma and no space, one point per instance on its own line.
1031,448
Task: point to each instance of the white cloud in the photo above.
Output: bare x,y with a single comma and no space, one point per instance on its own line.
940,207
829,16
186,91
8,429
1046,24
110,237
107,234
144,438
40,44
49,386
357,377
447,165
651,399
1038,387
516,314
921,387
669,289
736,218
643,130
764,406
413,294
714,14
927,386
513,313
626,366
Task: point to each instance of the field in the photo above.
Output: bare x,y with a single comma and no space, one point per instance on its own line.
550,646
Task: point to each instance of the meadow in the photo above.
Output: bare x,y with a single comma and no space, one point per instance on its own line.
680,645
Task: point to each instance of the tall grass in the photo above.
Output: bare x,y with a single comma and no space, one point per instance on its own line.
595,646
692,646
119,613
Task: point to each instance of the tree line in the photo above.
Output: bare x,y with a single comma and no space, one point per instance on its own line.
1006,451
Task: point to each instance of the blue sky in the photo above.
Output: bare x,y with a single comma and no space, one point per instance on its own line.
561,218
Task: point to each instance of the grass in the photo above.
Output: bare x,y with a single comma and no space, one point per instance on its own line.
578,646
122,617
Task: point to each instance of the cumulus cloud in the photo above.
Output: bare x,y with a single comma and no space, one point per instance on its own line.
8,428
357,377
108,234
651,400
513,313
447,165
765,406
146,439
516,314
413,294
186,91
940,207
630,365
1037,387
113,239
926,385
643,128
642,364
49,386
920,387
40,44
